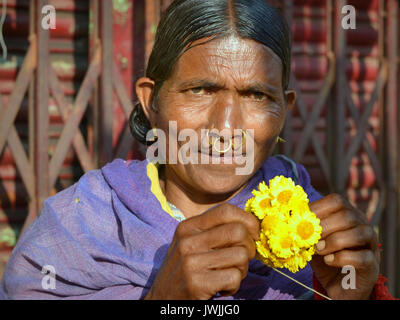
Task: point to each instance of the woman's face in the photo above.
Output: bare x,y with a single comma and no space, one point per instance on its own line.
228,83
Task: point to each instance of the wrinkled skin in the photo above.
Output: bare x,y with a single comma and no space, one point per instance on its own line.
234,83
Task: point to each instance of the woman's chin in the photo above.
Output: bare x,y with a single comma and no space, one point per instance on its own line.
216,179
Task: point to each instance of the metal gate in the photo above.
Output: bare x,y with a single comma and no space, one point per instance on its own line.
344,127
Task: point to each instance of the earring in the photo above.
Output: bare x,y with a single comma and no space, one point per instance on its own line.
279,139
154,133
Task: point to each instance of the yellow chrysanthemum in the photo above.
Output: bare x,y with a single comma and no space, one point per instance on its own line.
261,204
262,246
271,220
281,241
247,206
299,206
285,192
263,187
289,230
306,228
298,261
265,254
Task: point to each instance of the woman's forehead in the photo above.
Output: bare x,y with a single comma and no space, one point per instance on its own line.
230,57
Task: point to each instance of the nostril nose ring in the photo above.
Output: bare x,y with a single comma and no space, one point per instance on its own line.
226,149
230,145
244,137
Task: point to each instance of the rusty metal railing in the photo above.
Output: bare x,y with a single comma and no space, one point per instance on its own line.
334,103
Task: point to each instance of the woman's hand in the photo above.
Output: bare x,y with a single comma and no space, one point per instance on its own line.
209,253
347,239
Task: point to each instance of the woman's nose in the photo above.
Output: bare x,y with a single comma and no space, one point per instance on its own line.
226,115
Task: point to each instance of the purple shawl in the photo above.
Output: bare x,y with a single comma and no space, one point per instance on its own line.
106,237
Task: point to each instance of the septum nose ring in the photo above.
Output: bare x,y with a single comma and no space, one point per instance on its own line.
230,144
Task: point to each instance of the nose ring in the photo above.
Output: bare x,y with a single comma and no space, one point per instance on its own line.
230,145
244,137
224,150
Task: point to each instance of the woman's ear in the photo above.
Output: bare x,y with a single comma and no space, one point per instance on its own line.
145,94
290,98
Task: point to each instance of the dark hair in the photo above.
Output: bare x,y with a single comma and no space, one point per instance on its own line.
186,21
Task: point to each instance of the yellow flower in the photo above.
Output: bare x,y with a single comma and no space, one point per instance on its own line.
289,229
263,187
261,204
299,206
262,246
306,228
298,261
285,192
264,253
247,206
271,220
281,241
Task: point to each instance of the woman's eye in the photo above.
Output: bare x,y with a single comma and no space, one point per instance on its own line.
198,90
259,96
256,95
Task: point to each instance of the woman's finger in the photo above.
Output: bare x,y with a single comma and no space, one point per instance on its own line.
221,236
328,205
339,221
220,215
361,236
226,281
360,260
224,258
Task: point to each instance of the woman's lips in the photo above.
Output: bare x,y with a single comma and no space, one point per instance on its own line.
221,158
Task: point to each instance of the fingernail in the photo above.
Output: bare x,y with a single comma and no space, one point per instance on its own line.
329,258
320,245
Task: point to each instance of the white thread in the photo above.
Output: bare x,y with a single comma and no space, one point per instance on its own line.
298,282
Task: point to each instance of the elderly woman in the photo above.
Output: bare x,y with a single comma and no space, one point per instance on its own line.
178,230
